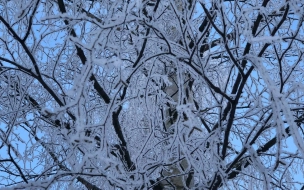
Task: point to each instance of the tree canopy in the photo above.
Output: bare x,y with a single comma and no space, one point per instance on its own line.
151,94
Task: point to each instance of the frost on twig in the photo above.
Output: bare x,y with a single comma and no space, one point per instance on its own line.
153,94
